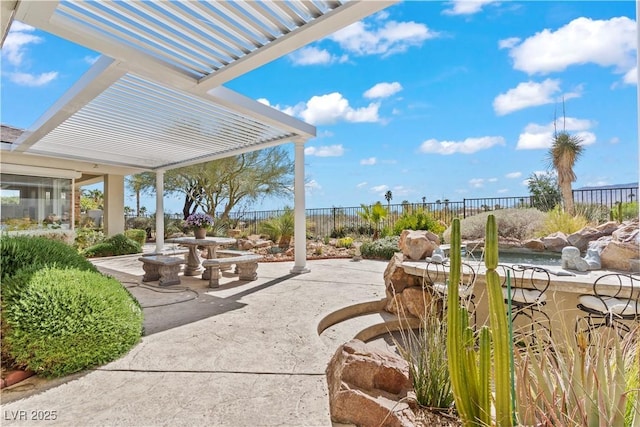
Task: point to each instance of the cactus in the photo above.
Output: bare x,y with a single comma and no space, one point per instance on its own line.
470,369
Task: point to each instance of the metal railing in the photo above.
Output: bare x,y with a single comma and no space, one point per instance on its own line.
346,220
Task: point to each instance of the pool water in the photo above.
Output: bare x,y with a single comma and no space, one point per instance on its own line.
532,258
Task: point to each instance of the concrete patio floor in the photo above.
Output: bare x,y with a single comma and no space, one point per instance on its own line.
245,354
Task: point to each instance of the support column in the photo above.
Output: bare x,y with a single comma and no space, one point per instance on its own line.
159,211
300,232
113,221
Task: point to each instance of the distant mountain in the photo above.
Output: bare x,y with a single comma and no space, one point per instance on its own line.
609,187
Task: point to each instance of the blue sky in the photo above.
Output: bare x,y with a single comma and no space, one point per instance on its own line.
427,99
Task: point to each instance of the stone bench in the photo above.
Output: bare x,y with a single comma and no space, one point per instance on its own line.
246,267
165,269
233,252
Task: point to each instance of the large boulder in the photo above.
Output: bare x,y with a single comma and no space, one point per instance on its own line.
395,278
418,244
534,245
417,301
555,242
368,387
617,255
581,238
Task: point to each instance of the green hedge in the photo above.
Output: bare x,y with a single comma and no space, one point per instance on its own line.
33,253
114,245
62,321
136,235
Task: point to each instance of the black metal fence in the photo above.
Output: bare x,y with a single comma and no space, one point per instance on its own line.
344,220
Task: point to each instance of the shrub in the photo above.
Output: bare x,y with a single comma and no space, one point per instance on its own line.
86,237
280,229
558,220
31,252
136,235
425,350
594,213
570,381
519,224
381,249
418,220
345,242
115,245
66,320
624,211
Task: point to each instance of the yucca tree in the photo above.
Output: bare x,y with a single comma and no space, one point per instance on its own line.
563,154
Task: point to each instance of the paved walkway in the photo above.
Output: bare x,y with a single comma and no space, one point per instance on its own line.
245,354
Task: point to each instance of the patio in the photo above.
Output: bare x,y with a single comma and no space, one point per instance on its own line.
245,353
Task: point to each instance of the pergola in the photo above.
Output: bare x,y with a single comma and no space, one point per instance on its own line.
154,101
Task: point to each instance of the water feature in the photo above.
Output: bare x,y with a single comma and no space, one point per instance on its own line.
541,259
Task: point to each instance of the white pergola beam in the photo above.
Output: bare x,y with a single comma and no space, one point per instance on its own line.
244,105
322,26
7,11
95,81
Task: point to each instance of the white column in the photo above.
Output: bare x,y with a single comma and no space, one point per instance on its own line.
159,211
113,204
300,232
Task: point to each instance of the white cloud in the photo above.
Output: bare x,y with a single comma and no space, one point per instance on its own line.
614,140
310,55
383,90
537,136
476,182
312,186
631,77
380,188
503,191
468,146
526,94
330,108
492,180
32,80
608,43
292,111
362,38
362,184
509,43
513,175
368,162
325,151
466,7
17,41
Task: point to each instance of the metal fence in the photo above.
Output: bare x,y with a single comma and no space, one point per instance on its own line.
345,220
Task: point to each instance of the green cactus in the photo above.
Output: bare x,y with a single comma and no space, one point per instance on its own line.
470,369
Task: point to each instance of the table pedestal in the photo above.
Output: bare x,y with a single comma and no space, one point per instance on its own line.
194,265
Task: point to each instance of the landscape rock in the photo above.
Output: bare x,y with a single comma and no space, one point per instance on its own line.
571,259
367,387
581,238
616,255
534,245
395,305
418,244
417,301
555,242
395,278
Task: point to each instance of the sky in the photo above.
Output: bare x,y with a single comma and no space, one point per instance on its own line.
426,99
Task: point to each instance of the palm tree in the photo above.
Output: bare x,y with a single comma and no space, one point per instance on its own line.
374,215
388,196
563,154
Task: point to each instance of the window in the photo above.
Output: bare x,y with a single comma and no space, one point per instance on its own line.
35,202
